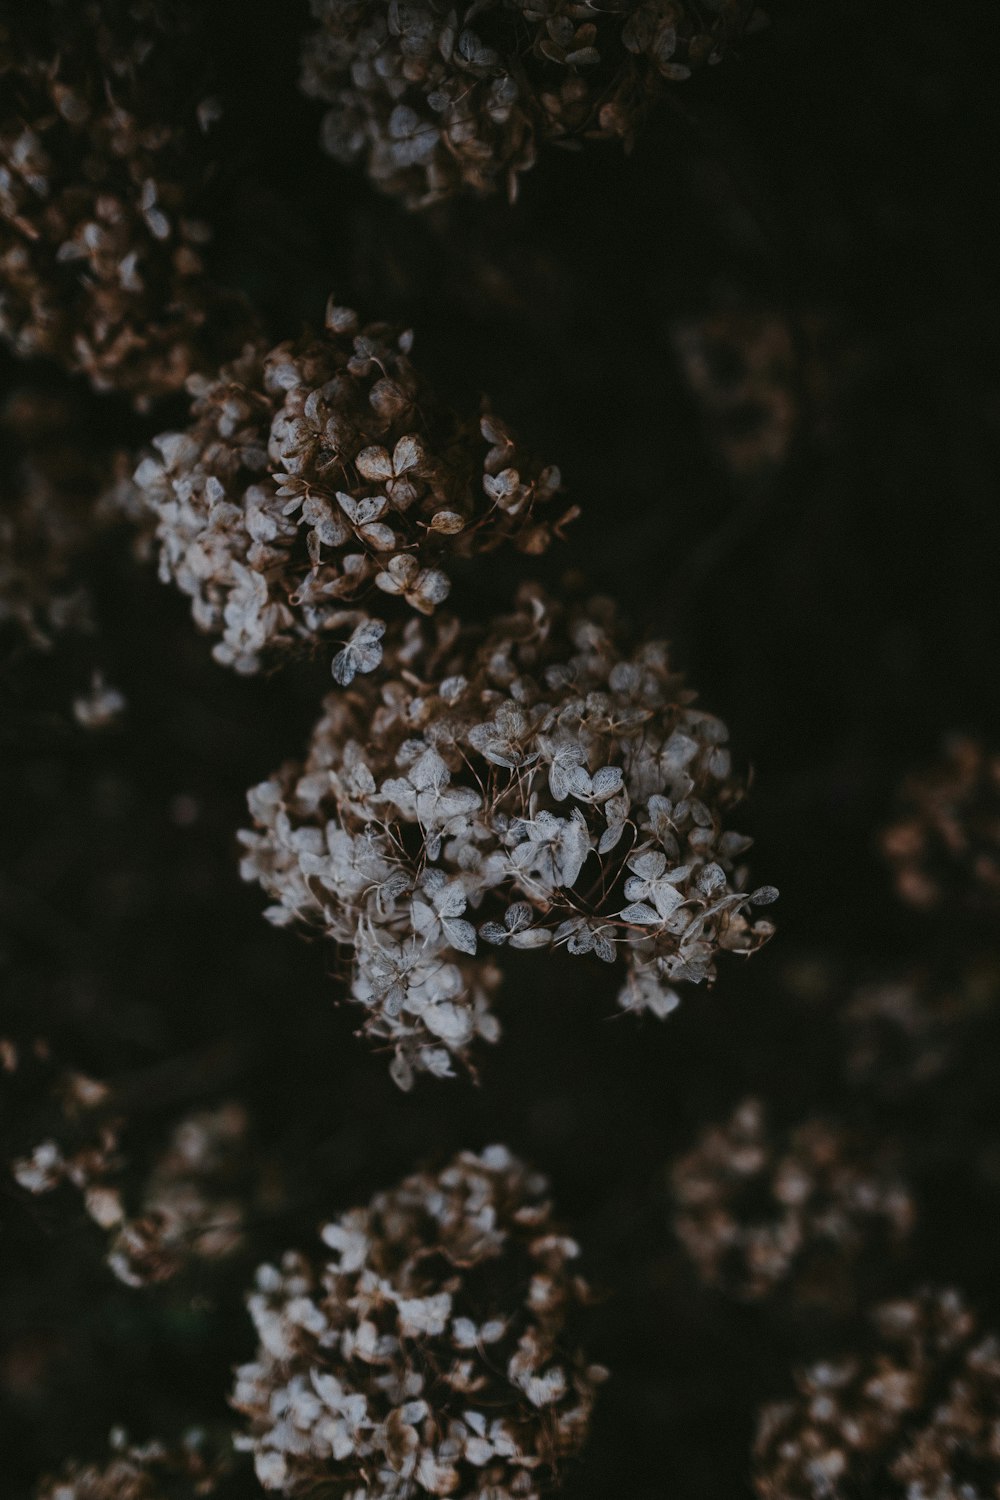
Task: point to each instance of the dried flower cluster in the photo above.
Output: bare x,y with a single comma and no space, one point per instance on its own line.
324,468
147,1471
904,1033
534,785
101,249
194,1199
193,1202
59,491
758,1210
433,97
741,368
916,1418
83,1148
428,1354
944,849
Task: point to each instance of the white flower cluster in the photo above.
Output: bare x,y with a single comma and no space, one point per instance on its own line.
427,1355
321,469
527,786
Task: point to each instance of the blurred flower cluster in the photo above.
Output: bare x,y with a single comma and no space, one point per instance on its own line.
944,848
60,491
760,1211
914,1417
146,1471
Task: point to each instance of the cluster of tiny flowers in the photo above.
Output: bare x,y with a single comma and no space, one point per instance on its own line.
944,849
83,1152
57,496
428,1353
532,785
147,1471
433,97
903,1033
915,1418
193,1203
101,256
758,1210
320,470
741,369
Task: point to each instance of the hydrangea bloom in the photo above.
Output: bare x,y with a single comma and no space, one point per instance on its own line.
147,1471
428,1353
944,849
325,472
101,250
758,1210
913,1418
433,97
532,785
61,492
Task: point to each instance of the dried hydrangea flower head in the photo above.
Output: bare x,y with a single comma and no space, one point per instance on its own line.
75,1142
913,1418
944,849
431,1353
57,492
324,474
903,1033
742,370
194,1200
147,1471
532,784
101,250
433,97
759,1210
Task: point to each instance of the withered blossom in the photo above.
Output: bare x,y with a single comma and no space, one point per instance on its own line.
742,370
193,1203
321,481
536,785
433,97
761,1211
913,1417
82,1147
431,1352
103,172
904,1032
58,494
944,848
146,1471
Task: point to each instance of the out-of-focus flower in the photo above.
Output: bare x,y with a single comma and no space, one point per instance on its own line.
58,493
323,475
147,1471
101,707
432,1352
531,785
433,98
912,1417
193,1203
944,848
759,1210
102,176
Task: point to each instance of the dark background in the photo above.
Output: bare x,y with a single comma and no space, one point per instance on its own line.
838,609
